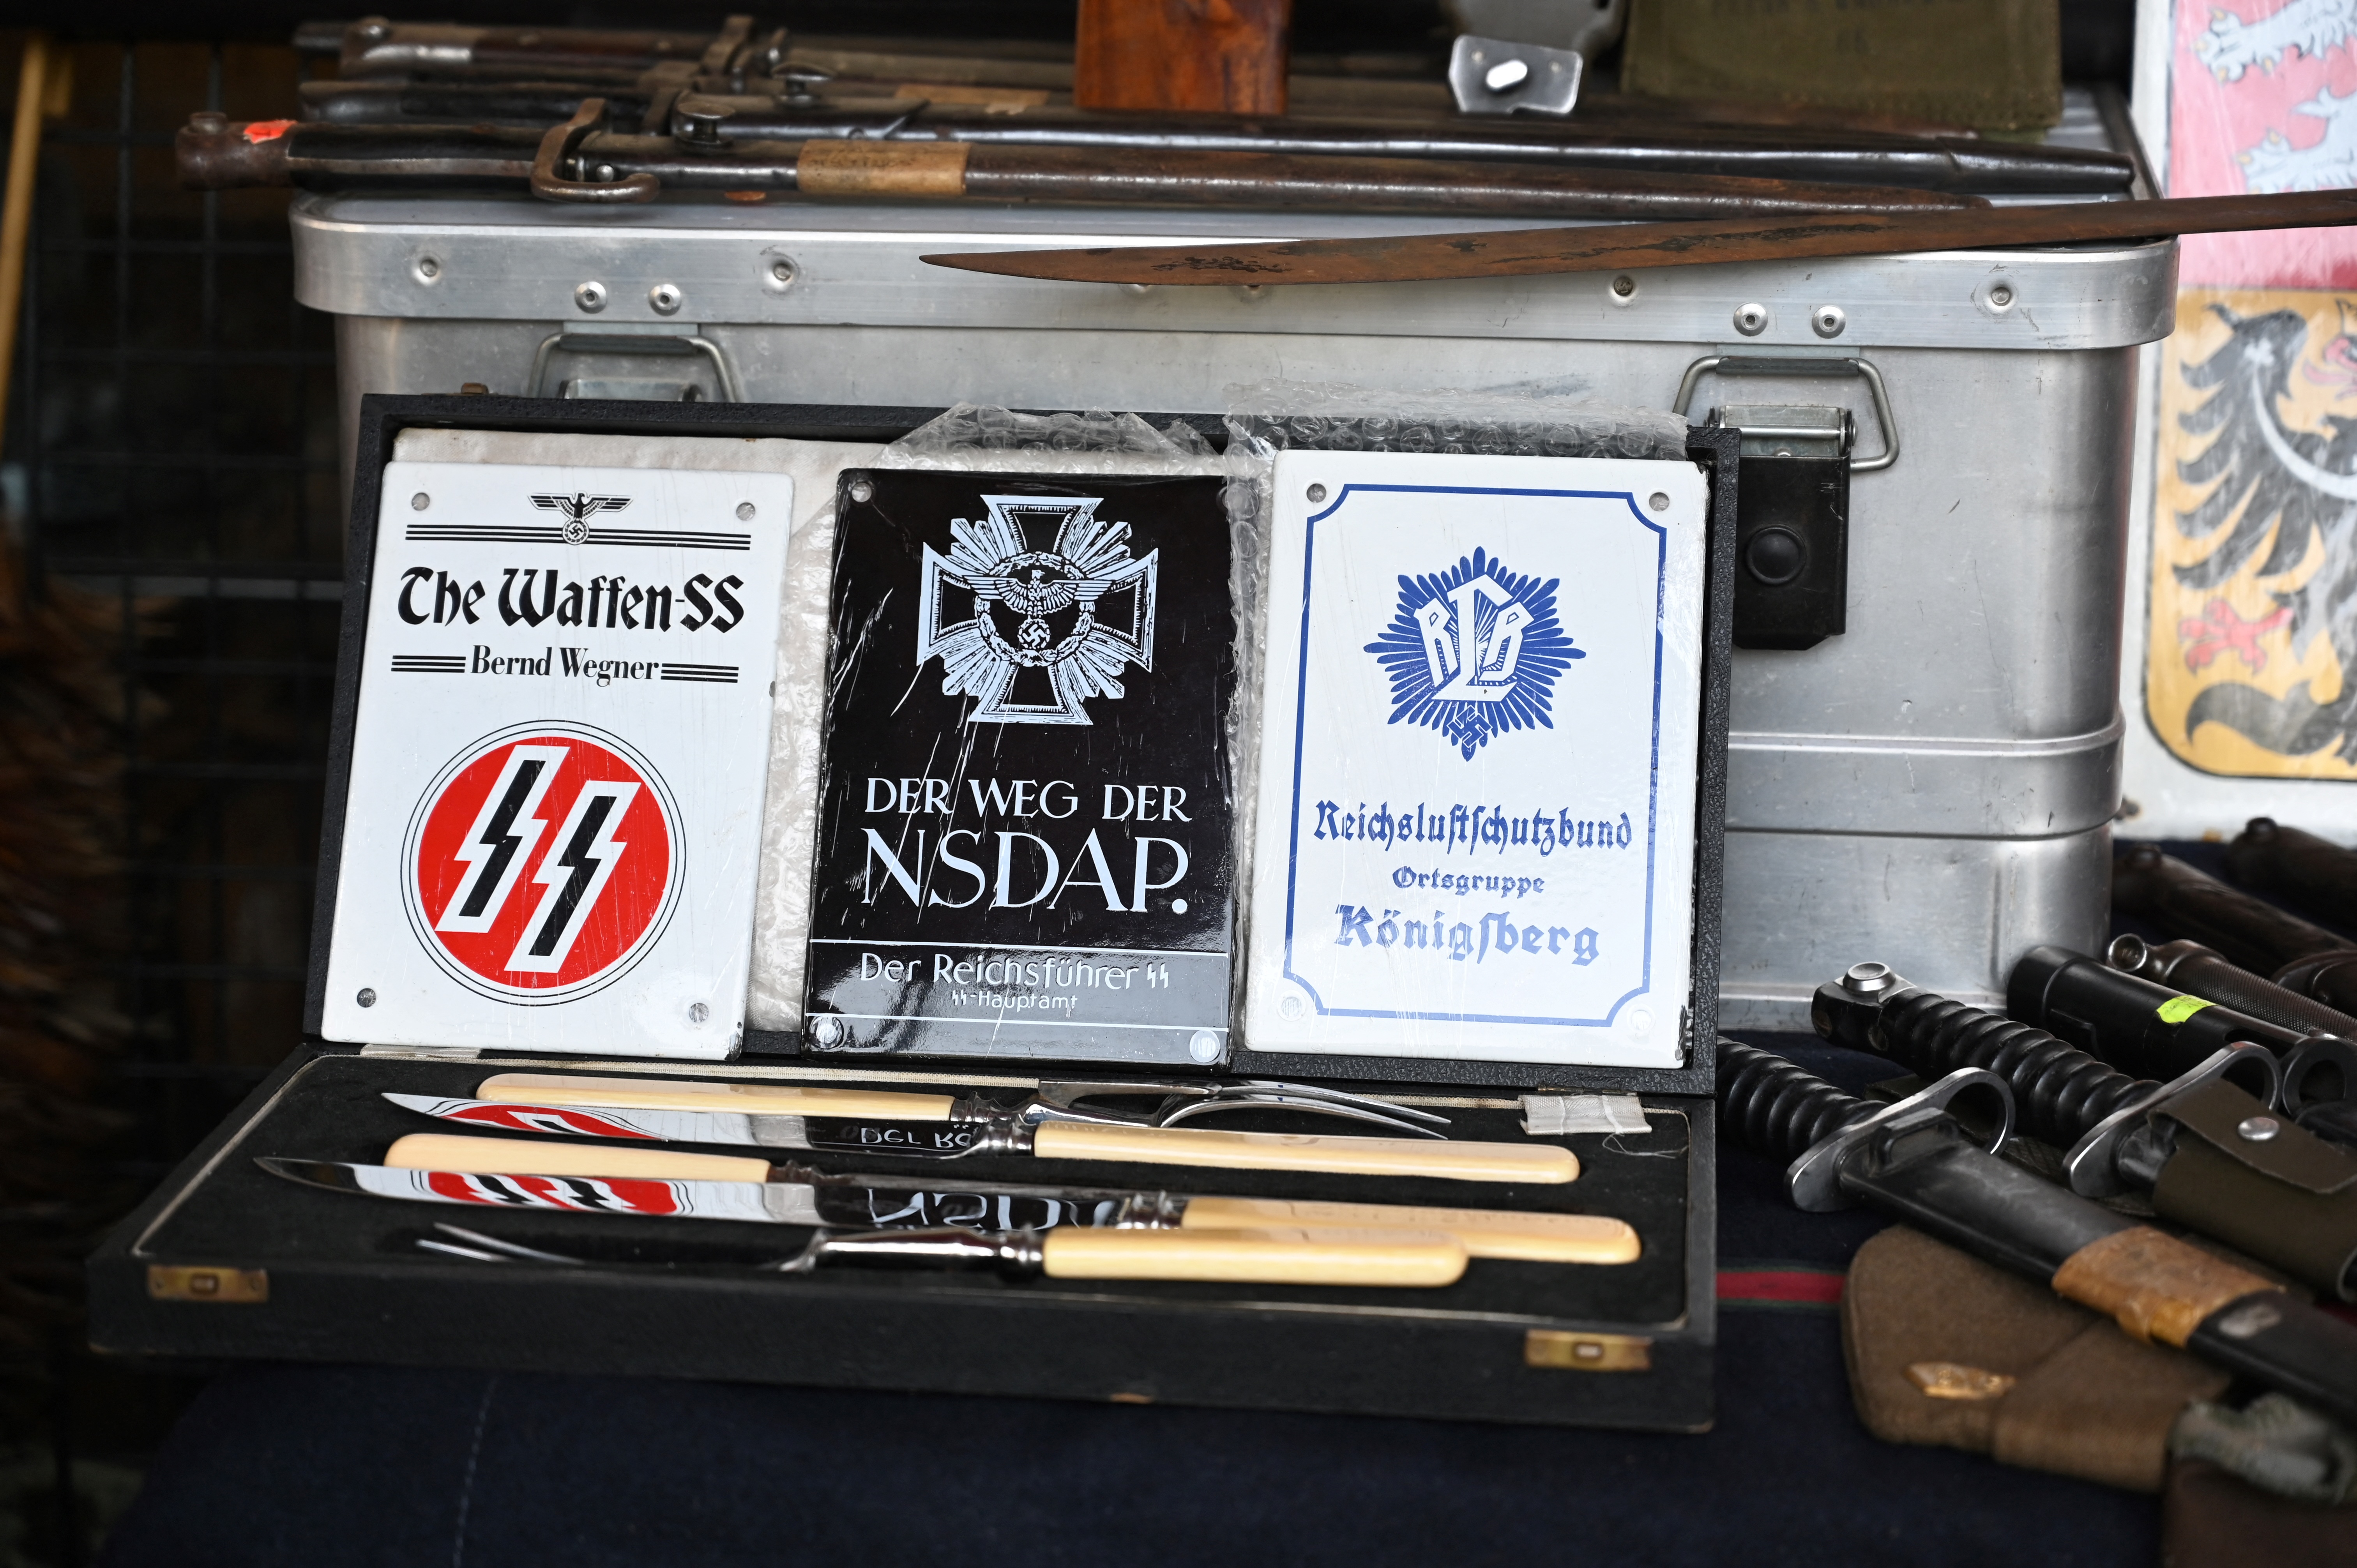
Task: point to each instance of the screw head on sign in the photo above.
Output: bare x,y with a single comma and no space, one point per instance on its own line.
590,296
1623,286
2257,1129
827,1031
420,501
1751,319
1659,500
1204,1046
367,998
861,491
1315,492
697,1012
2001,297
429,268
744,512
665,298
781,271
1827,320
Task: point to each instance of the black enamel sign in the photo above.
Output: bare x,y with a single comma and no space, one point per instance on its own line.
1024,843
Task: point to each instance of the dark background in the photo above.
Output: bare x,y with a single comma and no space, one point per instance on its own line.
169,500
2096,34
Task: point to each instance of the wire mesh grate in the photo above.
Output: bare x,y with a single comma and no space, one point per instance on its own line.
176,452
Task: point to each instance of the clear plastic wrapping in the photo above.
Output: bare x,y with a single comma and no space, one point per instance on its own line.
1262,419
969,437
1266,417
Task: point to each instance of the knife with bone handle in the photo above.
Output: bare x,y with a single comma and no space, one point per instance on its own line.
1057,1099
799,1195
1012,1133
1251,1253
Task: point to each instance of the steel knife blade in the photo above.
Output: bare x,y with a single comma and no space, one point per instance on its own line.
852,1205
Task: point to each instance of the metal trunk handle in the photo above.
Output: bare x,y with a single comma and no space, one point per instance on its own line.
623,342
1802,365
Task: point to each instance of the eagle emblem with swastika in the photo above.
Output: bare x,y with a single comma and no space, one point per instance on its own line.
1082,610
578,508
542,863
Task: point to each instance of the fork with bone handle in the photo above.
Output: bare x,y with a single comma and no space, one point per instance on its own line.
1053,1124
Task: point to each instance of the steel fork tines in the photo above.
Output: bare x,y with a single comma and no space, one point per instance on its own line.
1181,1101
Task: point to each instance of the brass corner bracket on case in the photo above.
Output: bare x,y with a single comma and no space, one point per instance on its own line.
1558,1349
182,1282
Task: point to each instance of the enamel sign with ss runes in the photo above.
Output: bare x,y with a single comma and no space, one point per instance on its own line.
563,712
1024,816
1478,760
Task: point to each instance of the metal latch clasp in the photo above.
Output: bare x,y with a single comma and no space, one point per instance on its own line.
1572,1351
1792,505
182,1282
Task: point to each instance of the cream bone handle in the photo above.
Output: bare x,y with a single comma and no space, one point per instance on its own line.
1542,1163
691,1094
522,1156
1483,1232
1263,1255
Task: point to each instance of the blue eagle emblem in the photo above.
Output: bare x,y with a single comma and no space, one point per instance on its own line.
1474,651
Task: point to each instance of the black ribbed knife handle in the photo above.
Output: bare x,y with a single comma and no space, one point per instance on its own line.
2060,1092
1777,1109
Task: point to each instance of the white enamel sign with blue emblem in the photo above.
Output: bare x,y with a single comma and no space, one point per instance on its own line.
1477,805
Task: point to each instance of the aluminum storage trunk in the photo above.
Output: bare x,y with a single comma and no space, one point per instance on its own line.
1933,788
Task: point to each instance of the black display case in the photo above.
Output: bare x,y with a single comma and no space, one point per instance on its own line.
224,1262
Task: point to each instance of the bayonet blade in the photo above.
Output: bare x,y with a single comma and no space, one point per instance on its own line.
1615,247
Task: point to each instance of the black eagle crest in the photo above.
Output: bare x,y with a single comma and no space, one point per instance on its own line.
2274,482
578,508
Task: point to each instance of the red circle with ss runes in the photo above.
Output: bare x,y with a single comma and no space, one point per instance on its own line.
542,863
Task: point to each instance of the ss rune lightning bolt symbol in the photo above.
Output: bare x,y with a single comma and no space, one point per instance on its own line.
500,844
575,873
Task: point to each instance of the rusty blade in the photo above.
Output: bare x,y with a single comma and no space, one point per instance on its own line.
1511,252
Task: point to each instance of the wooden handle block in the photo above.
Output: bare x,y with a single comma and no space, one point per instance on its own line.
1196,56
689,1094
522,1156
1545,1164
1484,1232
1260,1256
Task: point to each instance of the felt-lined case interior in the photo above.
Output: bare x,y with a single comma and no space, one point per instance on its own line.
690,1297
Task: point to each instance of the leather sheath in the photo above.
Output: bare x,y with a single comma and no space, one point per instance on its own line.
2291,1198
2213,1518
2084,1399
